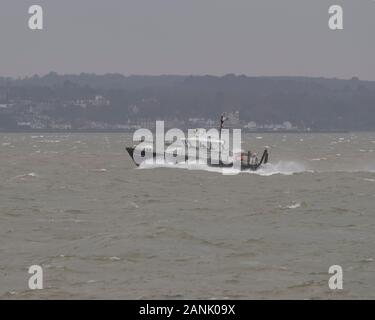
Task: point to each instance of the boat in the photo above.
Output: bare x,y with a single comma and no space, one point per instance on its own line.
214,157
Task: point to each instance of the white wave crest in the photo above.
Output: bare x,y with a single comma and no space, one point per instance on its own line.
282,168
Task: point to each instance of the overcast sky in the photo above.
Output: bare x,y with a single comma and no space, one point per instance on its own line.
252,37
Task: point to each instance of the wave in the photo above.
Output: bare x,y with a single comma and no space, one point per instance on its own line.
283,168
25,176
269,169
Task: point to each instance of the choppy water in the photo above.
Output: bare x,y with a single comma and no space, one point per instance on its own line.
100,228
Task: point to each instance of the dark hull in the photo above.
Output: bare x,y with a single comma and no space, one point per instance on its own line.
244,166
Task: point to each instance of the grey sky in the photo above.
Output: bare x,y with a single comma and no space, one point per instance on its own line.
253,37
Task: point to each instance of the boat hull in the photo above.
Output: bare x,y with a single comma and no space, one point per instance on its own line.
244,166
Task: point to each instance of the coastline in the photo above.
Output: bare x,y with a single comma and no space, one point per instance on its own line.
131,131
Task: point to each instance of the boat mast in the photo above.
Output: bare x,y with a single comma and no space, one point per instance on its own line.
222,119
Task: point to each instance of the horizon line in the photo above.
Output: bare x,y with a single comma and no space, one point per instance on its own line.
25,77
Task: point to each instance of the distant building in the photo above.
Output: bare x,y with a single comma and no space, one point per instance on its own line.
61,126
287,125
23,124
251,125
98,101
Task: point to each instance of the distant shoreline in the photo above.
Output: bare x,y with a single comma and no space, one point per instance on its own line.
132,131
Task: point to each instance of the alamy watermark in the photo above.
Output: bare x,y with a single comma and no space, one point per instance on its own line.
336,281
336,19
335,22
36,280
36,19
213,146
